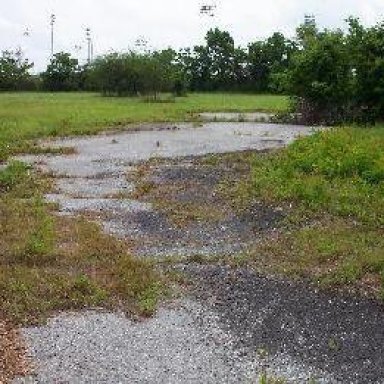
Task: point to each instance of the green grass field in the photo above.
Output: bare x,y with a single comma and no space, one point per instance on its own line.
28,116
334,182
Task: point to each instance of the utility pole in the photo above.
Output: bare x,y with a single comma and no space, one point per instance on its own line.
53,20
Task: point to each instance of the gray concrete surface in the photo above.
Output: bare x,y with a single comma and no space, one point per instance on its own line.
110,155
261,117
187,342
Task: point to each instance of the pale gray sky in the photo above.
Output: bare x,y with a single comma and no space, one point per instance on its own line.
116,24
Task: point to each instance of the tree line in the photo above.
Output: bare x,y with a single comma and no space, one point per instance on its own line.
333,76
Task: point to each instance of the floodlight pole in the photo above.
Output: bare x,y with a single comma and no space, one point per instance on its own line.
208,9
309,19
90,45
53,20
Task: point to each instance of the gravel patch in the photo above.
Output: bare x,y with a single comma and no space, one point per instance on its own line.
93,188
332,333
181,344
156,236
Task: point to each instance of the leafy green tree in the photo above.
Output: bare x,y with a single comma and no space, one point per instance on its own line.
62,74
221,52
217,65
321,77
268,58
366,47
14,71
173,77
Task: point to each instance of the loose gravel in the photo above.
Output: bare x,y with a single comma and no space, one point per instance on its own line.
333,333
181,344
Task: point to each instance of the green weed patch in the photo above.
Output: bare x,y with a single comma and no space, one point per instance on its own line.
334,183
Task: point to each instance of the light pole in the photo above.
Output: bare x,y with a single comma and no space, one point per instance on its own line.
208,9
310,19
90,45
53,20
142,44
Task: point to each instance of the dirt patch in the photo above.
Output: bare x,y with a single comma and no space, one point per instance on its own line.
13,360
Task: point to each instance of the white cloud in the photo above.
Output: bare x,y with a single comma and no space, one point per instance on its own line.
116,24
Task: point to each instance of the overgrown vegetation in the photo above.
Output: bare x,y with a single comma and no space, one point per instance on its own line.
334,183
336,77
50,263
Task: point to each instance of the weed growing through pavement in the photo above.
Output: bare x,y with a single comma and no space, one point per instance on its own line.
50,263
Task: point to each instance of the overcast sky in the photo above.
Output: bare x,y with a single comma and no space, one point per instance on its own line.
117,24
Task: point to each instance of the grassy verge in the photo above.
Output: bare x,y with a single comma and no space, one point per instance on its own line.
333,183
25,117
50,263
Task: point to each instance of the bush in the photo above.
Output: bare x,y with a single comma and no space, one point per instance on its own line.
321,79
337,77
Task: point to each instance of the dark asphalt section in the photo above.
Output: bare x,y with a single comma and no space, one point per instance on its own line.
334,333
197,183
